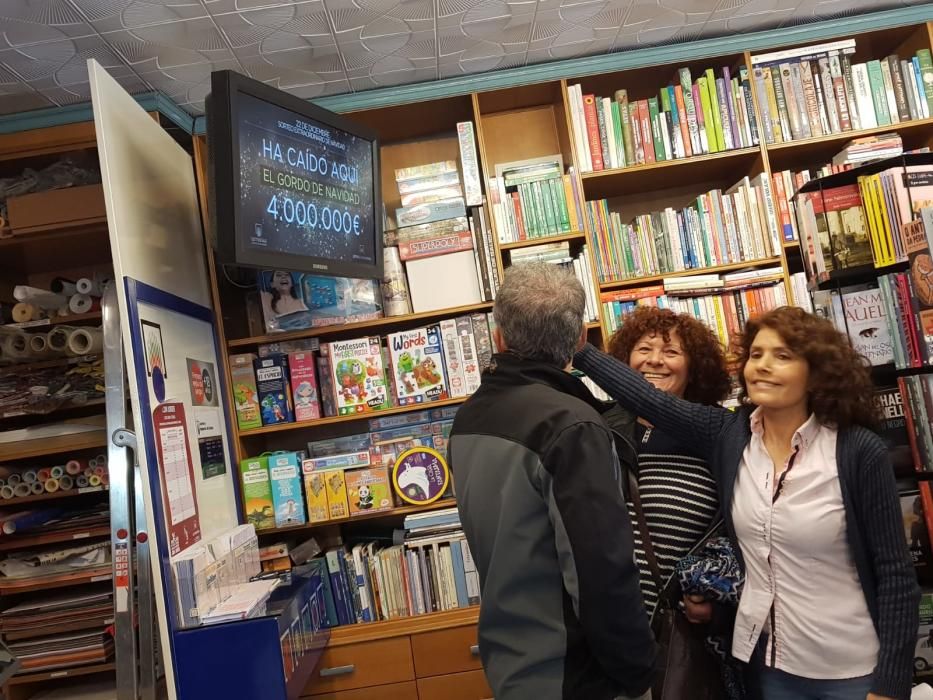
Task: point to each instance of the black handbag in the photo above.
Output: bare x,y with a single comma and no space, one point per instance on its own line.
689,671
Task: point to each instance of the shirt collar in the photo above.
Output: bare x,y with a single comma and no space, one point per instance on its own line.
803,437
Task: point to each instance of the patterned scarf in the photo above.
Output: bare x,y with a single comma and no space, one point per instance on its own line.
713,572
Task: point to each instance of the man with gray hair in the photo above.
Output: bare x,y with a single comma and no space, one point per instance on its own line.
538,489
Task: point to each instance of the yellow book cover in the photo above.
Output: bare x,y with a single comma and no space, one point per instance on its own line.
775,114
887,239
316,496
868,203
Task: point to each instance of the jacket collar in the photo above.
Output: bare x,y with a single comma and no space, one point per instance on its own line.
508,369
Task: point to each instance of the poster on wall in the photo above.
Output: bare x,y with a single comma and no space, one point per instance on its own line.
177,476
202,378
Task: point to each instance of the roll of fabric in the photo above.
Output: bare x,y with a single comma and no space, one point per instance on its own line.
22,490
73,467
29,476
44,473
80,303
42,298
16,346
23,312
86,285
63,286
85,341
6,492
395,297
14,479
66,483
37,488
39,344
58,338
82,481
57,472
51,485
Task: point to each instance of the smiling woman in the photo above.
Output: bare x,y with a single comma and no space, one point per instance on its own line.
830,599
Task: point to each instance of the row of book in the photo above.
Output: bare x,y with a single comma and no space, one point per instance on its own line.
430,570
862,219
686,118
534,199
856,152
717,228
343,477
724,308
917,394
817,90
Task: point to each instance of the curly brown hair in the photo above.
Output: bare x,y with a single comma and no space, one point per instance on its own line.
707,375
840,387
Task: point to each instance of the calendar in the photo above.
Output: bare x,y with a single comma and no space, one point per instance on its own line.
177,475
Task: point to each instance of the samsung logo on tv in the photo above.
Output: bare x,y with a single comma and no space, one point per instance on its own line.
319,266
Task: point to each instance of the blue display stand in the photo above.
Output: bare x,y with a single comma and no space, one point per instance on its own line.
266,657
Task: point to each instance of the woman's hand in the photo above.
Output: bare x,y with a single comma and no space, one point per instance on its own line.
699,610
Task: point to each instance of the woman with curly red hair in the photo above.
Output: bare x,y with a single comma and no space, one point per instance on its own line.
681,356
829,609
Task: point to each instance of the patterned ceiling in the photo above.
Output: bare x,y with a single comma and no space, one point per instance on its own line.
325,47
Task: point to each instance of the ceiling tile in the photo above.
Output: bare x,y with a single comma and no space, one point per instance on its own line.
815,10
114,15
65,62
483,65
170,45
284,28
394,77
189,83
648,36
348,15
24,22
222,7
81,92
26,101
318,66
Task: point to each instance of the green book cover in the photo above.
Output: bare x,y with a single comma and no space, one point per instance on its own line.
257,492
556,186
656,138
538,206
878,95
714,108
625,113
926,75
524,201
708,123
704,231
604,132
543,191
618,137
665,100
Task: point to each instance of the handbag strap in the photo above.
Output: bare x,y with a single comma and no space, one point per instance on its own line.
643,531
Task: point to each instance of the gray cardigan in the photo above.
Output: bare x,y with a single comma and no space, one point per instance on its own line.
873,517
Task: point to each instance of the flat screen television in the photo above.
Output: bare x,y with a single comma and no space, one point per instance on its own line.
293,186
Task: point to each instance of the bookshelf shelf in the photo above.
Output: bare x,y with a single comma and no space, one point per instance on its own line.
394,513
642,281
541,240
11,542
46,364
653,176
383,325
791,245
430,622
58,495
789,154
24,679
57,321
40,447
44,583
853,275
330,420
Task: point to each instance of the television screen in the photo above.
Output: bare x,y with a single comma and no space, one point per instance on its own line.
296,187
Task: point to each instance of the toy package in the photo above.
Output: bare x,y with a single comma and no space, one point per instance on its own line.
336,486
245,394
358,375
316,494
418,365
257,492
292,300
275,396
304,386
285,478
368,491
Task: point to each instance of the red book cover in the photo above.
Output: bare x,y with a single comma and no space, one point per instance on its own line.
592,131
682,118
647,141
519,220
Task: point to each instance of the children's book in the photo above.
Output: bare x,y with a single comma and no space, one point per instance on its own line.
359,375
417,363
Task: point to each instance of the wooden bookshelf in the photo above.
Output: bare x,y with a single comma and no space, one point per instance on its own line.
430,622
44,583
72,672
385,324
40,447
654,279
73,319
399,512
12,542
542,240
56,496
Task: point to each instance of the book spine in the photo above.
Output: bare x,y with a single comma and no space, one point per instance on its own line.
655,130
618,140
714,109
810,98
686,87
878,97
647,136
888,83
816,77
764,107
866,108
921,92
790,101
750,114
604,145
709,124
730,106
592,131
781,104
897,82
925,59
854,115
621,97
800,100
685,135
724,115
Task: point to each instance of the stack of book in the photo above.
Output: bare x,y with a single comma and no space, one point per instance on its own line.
869,148
717,229
816,90
686,119
534,199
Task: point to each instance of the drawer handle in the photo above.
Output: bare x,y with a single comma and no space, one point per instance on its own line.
474,650
338,670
